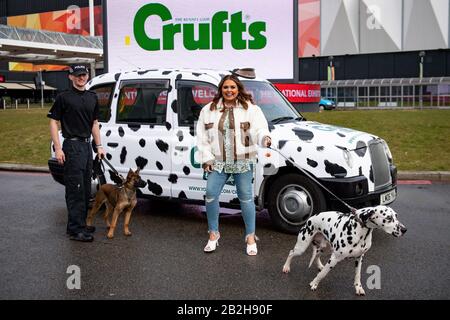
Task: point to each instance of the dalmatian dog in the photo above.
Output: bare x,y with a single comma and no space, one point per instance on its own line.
346,235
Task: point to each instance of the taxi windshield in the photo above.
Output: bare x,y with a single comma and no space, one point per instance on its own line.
275,107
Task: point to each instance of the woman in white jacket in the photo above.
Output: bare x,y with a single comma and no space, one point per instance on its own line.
228,131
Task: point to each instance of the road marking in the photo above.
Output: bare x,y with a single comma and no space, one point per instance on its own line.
414,182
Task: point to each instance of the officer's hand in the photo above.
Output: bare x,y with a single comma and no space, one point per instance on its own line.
101,152
60,156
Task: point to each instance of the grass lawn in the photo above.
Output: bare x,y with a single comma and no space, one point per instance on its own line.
24,136
418,139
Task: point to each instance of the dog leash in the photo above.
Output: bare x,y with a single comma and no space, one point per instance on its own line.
352,210
112,168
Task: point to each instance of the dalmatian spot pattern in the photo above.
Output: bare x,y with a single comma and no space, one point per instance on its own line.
360,171
304,135
168,126
162,146
341,135
121,132
179,76
299,149
186,170
361,148
166,72
371,174
143,72
117,76
134,127
159,165
115,95
123,155
334,169
174,106
154,188
108,133
289,163
141,162
320,148
100,126
142,143
180,135
281,144
191,131
197,74
173,178
312,163
108,156
182,195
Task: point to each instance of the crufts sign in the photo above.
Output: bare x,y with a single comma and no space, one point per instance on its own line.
202,34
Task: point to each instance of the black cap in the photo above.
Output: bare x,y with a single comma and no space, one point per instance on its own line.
77,69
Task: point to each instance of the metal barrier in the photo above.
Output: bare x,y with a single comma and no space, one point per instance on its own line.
388,93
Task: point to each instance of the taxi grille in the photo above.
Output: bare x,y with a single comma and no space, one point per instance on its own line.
380,165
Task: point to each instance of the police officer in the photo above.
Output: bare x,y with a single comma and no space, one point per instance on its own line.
77,112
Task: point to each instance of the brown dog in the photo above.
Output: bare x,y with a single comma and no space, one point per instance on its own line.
117,199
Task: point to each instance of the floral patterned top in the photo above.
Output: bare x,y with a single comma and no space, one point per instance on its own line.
229,165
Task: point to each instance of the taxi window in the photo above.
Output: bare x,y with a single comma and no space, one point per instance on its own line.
192,96
104,94
142,103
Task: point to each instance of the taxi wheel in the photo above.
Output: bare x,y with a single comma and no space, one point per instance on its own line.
293,198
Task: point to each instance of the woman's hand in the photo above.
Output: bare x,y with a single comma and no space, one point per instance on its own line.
208,167
267,142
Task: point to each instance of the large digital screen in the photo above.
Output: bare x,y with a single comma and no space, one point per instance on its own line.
202,34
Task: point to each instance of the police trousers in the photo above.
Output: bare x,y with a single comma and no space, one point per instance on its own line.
77,179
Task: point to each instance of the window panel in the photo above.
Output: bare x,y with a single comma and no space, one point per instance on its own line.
142,103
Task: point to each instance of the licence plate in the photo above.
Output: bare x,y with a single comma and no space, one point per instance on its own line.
388,197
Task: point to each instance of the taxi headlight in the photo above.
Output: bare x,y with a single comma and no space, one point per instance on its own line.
348,157
388,151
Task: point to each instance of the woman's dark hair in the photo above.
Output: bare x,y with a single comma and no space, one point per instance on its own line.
243,96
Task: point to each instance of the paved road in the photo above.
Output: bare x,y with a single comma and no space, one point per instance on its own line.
164,259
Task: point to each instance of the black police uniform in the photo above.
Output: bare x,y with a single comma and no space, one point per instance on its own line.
76,110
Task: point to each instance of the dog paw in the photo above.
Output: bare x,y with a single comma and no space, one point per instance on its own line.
286,269
110,235
360,291
313,286
127,233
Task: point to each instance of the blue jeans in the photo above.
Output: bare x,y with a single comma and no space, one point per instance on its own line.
244,186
